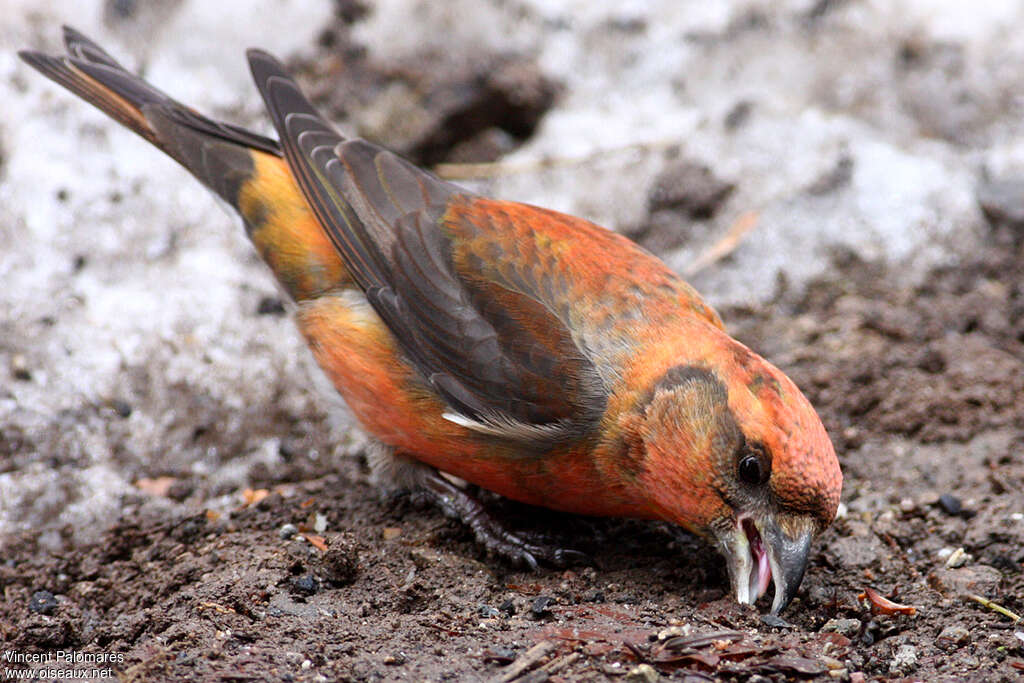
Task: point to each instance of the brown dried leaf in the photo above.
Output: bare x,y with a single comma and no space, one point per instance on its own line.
318,542
883,605
699,640
254,496
794,665
155,487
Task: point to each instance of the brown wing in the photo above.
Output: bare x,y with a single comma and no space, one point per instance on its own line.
504,362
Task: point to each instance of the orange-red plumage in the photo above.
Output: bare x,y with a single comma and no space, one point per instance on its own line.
529,352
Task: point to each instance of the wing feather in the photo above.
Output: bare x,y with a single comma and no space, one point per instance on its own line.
387,219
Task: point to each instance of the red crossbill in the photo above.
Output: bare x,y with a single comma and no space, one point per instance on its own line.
526,351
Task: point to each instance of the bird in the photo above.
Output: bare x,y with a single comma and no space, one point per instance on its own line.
528,352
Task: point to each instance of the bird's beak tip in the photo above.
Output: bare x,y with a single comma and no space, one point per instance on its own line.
787,556
759,552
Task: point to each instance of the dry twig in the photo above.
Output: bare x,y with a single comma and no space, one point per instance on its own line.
995,607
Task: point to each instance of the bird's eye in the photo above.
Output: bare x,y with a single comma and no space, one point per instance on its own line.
754,466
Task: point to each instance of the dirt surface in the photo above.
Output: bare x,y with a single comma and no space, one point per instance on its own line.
314,574
921,389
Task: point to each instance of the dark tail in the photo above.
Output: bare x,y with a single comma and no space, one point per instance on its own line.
218,154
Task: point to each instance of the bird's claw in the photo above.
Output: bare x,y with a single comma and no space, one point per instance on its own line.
491,534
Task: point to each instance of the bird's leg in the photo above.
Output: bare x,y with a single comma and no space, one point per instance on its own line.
405,472
489,532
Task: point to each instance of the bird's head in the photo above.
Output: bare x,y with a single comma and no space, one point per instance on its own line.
735,453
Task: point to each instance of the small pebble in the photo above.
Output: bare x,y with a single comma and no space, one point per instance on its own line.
673,631
488,612
287,531
958,558
642,673
508,607
953,636
540,607
775,621
270,305
306,585
904,659
121,408
831,662
43,602
340,564
950,504
390,533
844,627
19,368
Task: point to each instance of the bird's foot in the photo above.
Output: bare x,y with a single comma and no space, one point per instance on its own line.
490,533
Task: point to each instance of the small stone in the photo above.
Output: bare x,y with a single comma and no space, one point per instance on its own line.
688,187
390,533
958,558
1000,201
950,504
508,608
738,114
904,659
775,621
43,602
844,627
975,578
540,607
642,673
424,557
305,585
831,662
488,612
121,408
270,305
19,368
395,660
340,564
673,631
287,531
180,489
952,637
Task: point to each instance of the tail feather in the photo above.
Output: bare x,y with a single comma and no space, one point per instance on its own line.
205,147
245,169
